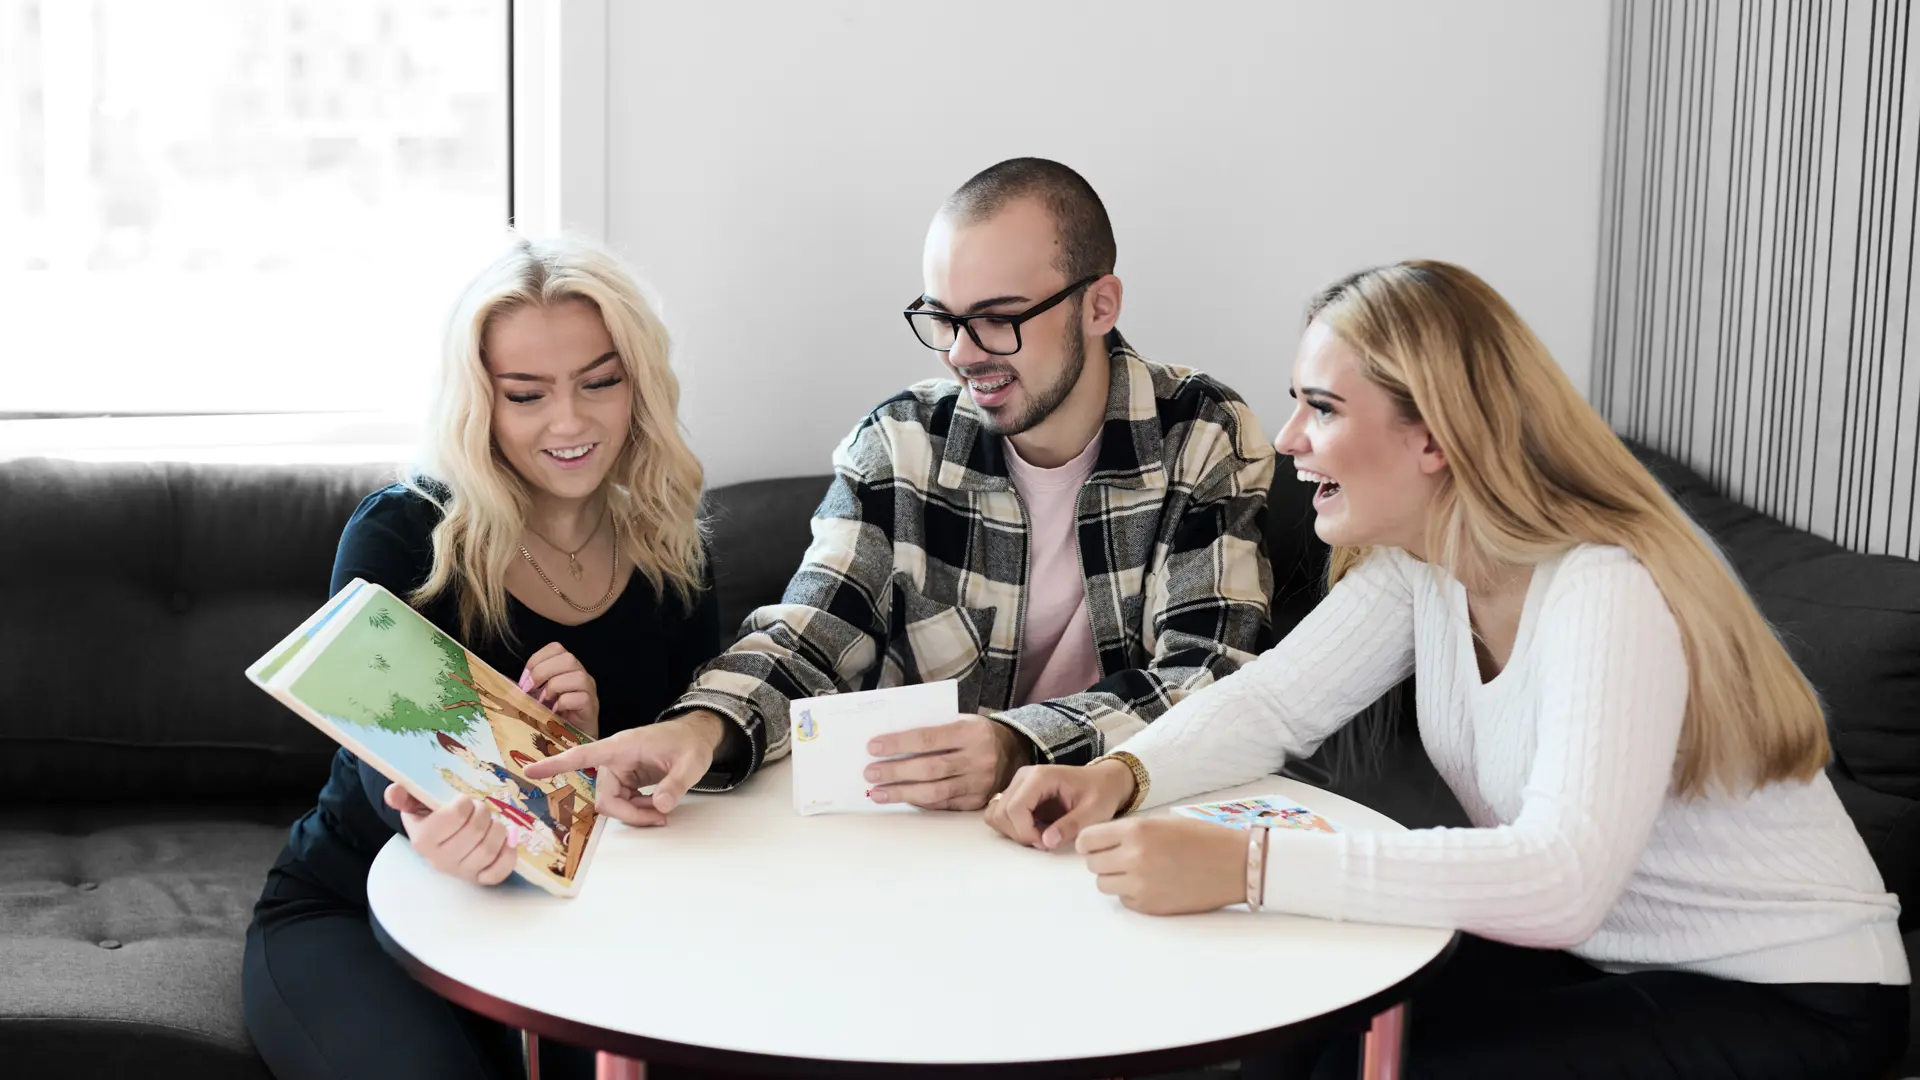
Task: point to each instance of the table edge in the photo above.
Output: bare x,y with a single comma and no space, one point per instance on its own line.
1351,1017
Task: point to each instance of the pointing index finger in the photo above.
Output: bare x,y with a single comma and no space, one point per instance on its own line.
586,756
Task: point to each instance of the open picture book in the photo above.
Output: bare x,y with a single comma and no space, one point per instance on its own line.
379,679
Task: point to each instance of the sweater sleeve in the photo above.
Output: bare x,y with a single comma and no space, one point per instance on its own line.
1612,682
1354,646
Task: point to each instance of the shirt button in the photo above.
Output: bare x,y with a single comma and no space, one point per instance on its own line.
109,944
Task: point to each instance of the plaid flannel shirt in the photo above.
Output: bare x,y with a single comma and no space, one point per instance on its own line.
918,567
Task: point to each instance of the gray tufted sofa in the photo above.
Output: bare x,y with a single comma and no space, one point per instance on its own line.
145,786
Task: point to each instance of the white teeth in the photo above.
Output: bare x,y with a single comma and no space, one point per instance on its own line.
571,452
1311,477
990,387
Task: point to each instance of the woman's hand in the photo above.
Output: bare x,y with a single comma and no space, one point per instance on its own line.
671,756
1046,806
461,839
555,679
1168,865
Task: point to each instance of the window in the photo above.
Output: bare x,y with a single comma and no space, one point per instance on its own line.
242,206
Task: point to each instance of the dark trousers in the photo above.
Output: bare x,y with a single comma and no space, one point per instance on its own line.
323,1001
1500,1010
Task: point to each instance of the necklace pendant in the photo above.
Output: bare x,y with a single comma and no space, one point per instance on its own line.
574,568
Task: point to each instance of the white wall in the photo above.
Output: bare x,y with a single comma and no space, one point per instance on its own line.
771,169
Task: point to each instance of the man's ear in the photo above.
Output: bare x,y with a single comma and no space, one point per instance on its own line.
1102,307
1432,458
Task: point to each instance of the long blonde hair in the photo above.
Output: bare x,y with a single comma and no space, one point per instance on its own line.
653,487
1533,470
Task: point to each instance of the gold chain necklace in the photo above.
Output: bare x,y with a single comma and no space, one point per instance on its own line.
613,581
574,569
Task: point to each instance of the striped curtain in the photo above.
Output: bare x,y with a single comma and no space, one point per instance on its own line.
1756,296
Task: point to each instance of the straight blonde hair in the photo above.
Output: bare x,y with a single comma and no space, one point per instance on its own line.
653,487
1533,470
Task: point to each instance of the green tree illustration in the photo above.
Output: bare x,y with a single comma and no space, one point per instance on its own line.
393,671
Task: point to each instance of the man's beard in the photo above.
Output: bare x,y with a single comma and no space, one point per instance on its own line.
1052,397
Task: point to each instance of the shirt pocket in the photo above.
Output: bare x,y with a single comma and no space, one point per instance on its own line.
930,640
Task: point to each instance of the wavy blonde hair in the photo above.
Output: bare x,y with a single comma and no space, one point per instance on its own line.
1533,470
653,487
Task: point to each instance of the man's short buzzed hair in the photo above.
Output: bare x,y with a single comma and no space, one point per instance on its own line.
1086,236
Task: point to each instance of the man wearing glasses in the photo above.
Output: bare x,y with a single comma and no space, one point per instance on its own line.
1069,530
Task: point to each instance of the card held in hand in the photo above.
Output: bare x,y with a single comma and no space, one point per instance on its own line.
1268,811
830,736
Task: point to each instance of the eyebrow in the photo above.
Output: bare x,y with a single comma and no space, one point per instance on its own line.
549,378
978,305
1314,391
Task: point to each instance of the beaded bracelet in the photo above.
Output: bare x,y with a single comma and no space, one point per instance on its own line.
1257,866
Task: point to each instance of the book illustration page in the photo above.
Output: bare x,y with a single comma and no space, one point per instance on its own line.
419,702
1268,811
299,639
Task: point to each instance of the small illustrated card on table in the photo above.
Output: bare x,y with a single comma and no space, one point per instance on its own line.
830,736
1269,811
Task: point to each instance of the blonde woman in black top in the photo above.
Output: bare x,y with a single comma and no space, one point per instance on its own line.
554,527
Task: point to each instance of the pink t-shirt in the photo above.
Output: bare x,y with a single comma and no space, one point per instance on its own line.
1056,654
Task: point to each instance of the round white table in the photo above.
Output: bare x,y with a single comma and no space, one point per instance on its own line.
744,937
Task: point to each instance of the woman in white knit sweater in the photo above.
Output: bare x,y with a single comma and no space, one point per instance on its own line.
1660,880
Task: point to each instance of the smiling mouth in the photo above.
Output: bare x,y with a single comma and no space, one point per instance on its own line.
1328,487
992,390
571,453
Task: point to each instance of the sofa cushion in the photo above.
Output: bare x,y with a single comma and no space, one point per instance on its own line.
1852,623
760,530
135,596
121,935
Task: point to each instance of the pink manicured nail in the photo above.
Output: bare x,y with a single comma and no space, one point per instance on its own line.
879,795
526,682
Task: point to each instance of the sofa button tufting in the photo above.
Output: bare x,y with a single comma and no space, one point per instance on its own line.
109,944
87,886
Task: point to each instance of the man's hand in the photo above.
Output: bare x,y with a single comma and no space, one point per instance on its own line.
671,756
961,765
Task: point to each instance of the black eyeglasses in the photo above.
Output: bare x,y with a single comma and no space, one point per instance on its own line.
996,334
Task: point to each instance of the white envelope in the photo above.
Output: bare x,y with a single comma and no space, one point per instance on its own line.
830,736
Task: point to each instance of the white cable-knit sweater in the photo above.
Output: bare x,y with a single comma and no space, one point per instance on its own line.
1564,765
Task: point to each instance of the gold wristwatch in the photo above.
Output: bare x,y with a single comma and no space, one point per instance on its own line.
1140,780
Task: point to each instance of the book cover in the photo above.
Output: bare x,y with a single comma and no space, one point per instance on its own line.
379,679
